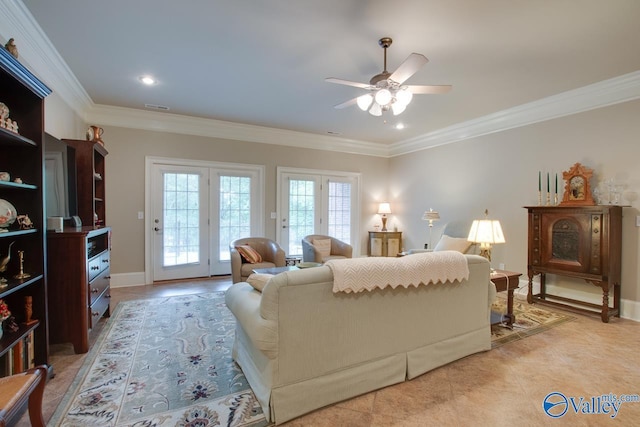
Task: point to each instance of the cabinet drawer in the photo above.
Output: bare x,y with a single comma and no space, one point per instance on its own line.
98,263
94,267
98,308
98,285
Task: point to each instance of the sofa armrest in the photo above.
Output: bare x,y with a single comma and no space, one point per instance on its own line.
244,302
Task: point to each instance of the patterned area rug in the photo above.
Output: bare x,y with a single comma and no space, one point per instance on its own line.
530,319
163,362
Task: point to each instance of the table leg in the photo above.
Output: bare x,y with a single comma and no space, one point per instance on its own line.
511,318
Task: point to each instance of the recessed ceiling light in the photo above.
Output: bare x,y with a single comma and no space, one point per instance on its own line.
400,126
148,80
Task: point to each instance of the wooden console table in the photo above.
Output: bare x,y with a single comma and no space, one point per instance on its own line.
384,243
583,242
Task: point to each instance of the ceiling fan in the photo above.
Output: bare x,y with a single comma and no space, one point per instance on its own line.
386,90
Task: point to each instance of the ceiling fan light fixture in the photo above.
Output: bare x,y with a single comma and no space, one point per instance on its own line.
365,101
383,97
398,108
404,96
375,110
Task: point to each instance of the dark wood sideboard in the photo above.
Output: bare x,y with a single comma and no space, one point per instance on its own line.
79,283
583,242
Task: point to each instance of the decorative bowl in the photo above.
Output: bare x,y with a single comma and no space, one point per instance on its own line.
8,214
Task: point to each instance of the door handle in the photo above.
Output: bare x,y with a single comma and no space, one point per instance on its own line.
157,229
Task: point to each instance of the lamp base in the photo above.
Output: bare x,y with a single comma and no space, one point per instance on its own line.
384,223
486,253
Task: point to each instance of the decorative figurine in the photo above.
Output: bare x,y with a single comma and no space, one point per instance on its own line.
94,134
12,48
28,311
25,222
4,114
5,176
4,261
22,274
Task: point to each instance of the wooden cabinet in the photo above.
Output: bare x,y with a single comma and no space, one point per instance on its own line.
384,243
21,156
79,279
90,180
580,242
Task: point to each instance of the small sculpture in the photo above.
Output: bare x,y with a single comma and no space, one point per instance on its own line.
25,222
28,311
3,265
12,48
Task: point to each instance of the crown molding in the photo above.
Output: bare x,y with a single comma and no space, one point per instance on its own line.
607,92
187,125
38,52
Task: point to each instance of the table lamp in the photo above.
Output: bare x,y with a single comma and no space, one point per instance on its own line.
384,209
430,216
486,232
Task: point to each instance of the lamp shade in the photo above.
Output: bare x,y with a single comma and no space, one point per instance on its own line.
431,215
384,208
486,231
364,101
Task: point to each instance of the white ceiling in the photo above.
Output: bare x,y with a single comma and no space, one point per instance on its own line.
264,62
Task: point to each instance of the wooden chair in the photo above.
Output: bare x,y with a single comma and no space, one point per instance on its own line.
16,390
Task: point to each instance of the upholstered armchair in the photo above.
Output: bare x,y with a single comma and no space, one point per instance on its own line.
320,248
270,252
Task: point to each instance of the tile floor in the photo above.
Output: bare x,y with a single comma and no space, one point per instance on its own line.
503,387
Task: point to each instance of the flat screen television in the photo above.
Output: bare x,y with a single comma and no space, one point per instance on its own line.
60,183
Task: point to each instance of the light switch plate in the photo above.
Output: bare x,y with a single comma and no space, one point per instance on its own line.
274,215
638,221
140,215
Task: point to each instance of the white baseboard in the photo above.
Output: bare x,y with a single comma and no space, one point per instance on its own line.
123,280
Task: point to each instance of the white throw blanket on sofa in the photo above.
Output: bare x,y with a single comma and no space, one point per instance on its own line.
359,274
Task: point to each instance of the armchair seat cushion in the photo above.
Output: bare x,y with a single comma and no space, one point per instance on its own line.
247,269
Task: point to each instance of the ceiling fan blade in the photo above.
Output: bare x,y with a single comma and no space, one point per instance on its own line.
409,67
346,104
347,82
434,90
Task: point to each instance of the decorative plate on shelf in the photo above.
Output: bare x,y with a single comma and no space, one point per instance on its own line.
309,264
8,215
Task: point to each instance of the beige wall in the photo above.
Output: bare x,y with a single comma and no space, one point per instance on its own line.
125,175
499,172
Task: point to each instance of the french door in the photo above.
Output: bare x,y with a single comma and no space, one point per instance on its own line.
317,203
196,210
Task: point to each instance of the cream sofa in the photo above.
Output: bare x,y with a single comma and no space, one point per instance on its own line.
301,346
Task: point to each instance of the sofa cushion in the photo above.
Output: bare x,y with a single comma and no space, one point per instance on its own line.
447,243
323,246
258,281
249,254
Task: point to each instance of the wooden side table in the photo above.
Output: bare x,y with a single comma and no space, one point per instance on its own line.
505,281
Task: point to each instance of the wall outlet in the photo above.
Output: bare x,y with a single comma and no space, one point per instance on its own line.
638,221
140,215
274,215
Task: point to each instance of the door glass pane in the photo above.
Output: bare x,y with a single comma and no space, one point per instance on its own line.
235,212
181,219
301,213
339,215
